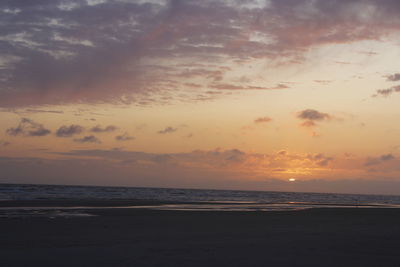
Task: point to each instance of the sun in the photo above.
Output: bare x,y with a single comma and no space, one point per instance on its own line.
292,180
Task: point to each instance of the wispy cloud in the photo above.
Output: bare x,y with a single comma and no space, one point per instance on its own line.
324,82
378,160
262,120
394,77
28,127
320,159
4,143
124,137
69,59
68,131
29,110
168,130
107,129
88,139
225,86
387,92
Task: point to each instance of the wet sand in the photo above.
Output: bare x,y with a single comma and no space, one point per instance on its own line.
140,237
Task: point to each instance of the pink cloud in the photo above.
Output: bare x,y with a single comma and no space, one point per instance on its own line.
89,56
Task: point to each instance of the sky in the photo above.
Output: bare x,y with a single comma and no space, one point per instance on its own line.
281,95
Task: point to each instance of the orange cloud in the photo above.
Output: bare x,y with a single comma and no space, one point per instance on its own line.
263,120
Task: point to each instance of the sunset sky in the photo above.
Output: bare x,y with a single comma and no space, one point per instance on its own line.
225,94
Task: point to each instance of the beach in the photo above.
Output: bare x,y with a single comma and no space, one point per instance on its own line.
146,237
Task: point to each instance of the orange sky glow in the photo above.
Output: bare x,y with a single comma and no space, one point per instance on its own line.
255,95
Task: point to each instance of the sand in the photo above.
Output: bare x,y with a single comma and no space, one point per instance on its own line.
139,237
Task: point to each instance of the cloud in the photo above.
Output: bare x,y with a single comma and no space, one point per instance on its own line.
394,77
308,123
4,143
44,111
129,172
387,92
99,129
311,116
369,53
193,85
225,86
218,168
387,157
124,137
378,160
88,139
215,159
68,131
263,120
28,127
324,82
167,130
320,159
118,51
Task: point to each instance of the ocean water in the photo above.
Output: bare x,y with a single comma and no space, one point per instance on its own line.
51,192
176,199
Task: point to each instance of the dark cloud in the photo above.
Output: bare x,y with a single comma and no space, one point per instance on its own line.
44,111
310,116
167,130
379,160
28,127
387,92
88,139
394,77
320,159
263,120
387,157
235,155
68,131
313,115
107,129
60,52
124,137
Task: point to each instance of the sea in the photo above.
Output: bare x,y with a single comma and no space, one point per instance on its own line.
182,199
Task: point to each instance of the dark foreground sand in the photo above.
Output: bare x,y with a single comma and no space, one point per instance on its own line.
135,237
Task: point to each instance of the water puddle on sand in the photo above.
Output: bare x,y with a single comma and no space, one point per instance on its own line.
85,211
41,212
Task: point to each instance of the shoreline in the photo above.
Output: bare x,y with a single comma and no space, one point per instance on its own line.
74,207
147,202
